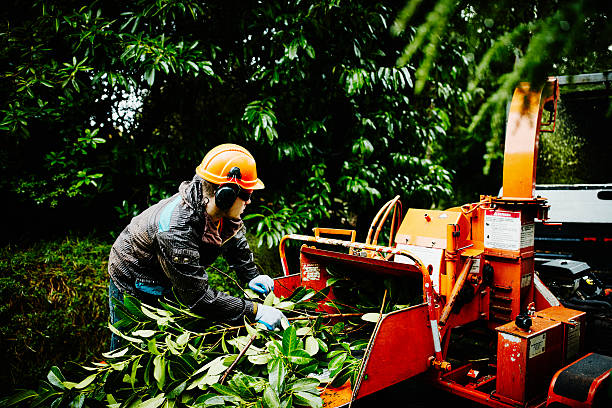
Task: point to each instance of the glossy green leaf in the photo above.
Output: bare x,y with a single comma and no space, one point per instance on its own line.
176,391
150,76
182,339
311,345
153,402
342,376
134,370
259,359
270,398
308,399
304,384
21,396
159,371
78,401
303,331
269,300
223,389
371,317
210,400
116,353
290,340
322,345
56,378
85,382
143,333
299,357
152,346
336,363
277,371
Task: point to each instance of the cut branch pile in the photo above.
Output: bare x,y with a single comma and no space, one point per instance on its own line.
172,357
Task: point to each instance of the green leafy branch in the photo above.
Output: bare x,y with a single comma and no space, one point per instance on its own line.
166,362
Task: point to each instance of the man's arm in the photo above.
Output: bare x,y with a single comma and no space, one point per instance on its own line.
239,256
179,258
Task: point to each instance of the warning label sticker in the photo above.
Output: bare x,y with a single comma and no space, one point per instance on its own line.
537,345
429,256
311,272
526,280
527,235
502,230
475,266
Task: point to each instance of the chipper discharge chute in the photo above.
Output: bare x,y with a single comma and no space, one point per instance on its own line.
484,326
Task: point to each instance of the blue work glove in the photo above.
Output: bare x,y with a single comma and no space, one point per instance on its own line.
270,317
262,284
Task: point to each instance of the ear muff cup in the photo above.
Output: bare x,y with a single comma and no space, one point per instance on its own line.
225,195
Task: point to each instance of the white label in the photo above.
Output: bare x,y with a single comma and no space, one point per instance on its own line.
311,272
527,235
573,340
537,345
428,256
526,280
475,266
502,230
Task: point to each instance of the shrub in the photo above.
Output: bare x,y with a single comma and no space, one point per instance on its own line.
54,305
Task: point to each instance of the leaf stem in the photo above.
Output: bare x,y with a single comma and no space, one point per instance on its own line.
244,350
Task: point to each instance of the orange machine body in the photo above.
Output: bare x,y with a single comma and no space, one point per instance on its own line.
476,267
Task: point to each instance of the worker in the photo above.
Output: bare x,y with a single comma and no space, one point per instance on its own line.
165,250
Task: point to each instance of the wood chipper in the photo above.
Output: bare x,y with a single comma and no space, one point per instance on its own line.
475,264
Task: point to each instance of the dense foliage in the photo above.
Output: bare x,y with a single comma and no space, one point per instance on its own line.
54,306
111,104
506,42
169,362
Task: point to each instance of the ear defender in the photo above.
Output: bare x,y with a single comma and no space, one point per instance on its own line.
227,193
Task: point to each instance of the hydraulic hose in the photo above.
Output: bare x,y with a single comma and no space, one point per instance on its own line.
593,304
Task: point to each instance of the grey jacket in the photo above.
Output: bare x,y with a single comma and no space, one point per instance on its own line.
168,247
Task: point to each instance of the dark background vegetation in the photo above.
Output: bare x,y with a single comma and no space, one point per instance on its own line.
106,106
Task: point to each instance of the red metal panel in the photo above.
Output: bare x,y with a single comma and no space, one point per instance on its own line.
574,324
474,395
314,275
285,285
399,349
527,360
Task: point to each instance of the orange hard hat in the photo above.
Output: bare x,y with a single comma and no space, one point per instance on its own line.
219,167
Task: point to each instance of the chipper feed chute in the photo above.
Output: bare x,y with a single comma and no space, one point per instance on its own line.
397,349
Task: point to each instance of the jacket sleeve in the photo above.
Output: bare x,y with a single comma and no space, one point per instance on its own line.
179,258
239,256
